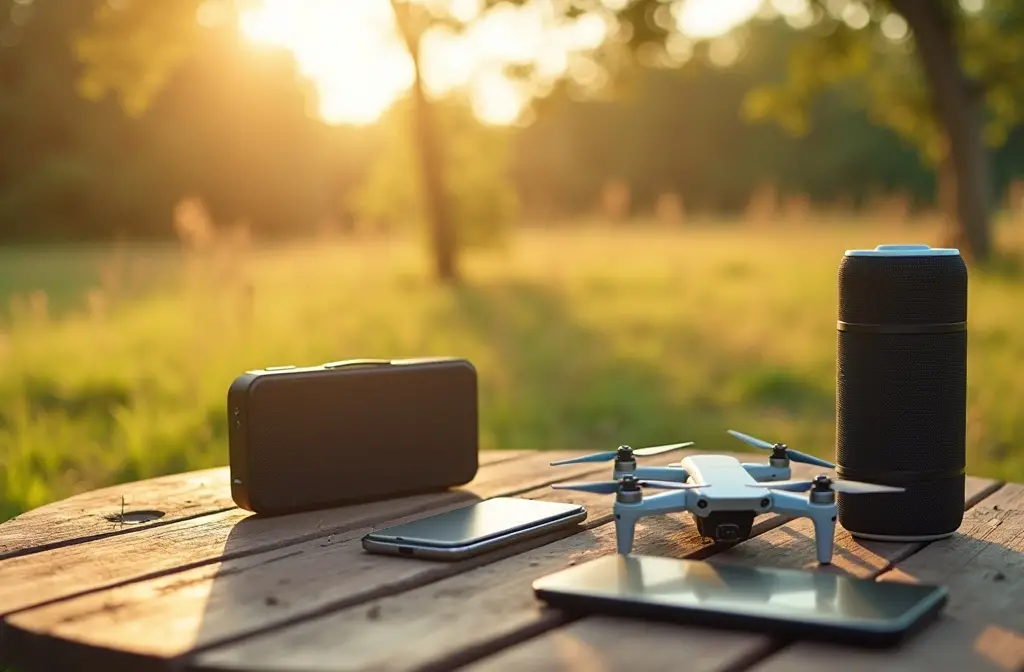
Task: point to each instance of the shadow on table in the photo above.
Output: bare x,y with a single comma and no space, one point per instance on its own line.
553,375
981,628
556,380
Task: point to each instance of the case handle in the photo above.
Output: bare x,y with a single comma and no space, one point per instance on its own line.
349,363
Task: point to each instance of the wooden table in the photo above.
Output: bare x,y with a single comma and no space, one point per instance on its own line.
198,583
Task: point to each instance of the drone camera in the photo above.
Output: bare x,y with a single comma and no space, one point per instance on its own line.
725,526
726,532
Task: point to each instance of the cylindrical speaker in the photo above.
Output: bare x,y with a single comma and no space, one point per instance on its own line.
901,390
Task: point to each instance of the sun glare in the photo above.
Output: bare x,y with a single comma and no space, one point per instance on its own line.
352,52
711,18
348,48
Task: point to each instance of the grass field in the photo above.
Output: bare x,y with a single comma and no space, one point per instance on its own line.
115,361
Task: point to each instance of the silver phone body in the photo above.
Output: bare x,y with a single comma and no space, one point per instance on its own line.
471,530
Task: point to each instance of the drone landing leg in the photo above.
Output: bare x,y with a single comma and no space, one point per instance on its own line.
625,529
824,537
822,515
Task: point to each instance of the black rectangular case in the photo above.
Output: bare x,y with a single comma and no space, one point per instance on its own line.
351,431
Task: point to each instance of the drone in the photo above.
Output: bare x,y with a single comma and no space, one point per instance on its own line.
722,494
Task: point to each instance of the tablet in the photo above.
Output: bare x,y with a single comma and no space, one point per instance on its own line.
802,604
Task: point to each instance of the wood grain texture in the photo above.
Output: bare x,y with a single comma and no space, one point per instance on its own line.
226,600
789,546
453,620
96,514
650,647
982,627
32,580
792,545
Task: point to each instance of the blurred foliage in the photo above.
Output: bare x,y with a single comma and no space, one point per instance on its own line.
880,74
681,130
484,201
232,123
132,47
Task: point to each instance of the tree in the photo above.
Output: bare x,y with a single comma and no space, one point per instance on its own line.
414,21
939,74
133,46
480,200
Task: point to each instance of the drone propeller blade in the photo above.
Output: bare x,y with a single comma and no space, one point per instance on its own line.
606,456
790,486
794,455
600,487
670,485
611,487
859,488
609,455
804,458
837,485
753,441
658,450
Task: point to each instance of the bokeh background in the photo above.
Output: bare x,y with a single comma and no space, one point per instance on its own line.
628,214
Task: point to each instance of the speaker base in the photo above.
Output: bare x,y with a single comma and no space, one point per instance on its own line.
900,537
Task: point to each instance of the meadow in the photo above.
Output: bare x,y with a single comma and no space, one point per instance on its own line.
116,360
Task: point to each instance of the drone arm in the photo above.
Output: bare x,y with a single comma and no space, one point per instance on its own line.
823,516
663,502
795,505
676,474
766,472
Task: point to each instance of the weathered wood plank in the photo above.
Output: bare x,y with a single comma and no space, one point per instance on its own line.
229,599
31,580
982,627
147,503
789,545
96,514
226,600
654,647
453,620
792,545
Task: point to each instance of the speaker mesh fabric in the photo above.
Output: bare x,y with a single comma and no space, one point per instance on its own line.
901,397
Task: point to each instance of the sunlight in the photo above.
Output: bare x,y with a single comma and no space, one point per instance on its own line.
348,48
351,51
711,18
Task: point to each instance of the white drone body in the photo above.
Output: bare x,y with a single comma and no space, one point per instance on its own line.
722,494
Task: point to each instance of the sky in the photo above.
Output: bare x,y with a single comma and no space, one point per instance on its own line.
350,50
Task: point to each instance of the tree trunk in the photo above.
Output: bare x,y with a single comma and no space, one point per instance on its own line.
958,105
426,135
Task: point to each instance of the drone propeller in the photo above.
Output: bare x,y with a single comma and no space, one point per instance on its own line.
781,450
627,483
623,453
824,483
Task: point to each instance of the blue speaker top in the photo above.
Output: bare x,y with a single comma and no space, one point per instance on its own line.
905,251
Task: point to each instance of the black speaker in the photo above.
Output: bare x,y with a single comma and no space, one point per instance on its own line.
901,390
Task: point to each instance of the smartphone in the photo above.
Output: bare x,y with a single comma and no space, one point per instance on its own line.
471,530
783,602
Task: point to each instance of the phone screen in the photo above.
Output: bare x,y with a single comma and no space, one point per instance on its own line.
477,522
722,588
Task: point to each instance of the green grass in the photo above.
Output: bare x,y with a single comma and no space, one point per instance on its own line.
583,339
